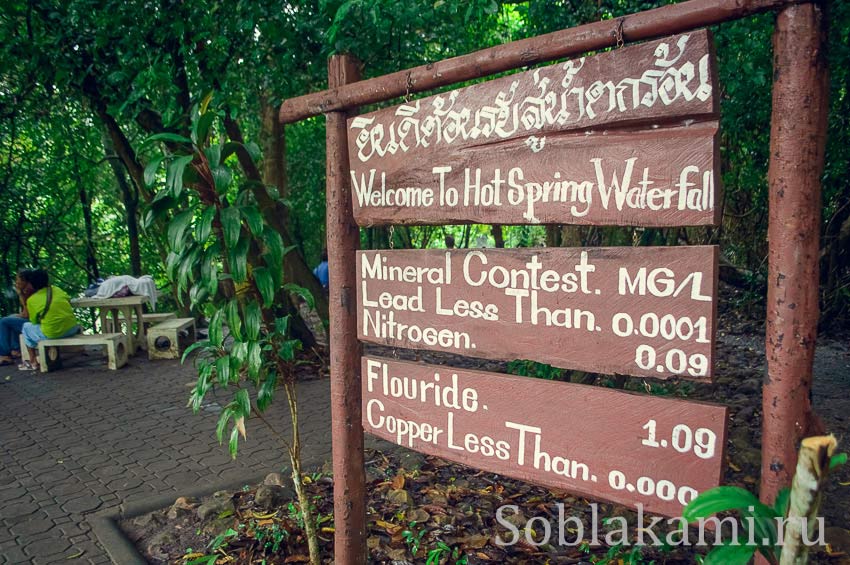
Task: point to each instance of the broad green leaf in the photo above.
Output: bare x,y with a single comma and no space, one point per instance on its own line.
239,262
239,352
253,320
171,137
234,320
244,402
177,228
201,128
205,102
222,370
719,499
203,344
213,153
302,292
265,284
837,461
233,446
265,394
223,418
151,169
231,223
281,325
204,225
172,262
175,174
273,254
254,151
229,149
730,555
254,219
287,349
255,360
198,295
222,177
780,505
215,332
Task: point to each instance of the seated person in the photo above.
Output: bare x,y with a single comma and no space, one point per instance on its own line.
50,314
10,326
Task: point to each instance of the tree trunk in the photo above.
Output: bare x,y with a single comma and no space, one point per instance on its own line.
130,198
498,236
92,271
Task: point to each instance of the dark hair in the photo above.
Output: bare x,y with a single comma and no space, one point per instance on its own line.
38,278
324,254
450,242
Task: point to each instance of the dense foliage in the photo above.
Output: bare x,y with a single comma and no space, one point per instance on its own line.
83,83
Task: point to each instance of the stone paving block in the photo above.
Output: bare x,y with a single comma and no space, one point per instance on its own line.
67,489
14,555
83,504
38,523
19,509
48,547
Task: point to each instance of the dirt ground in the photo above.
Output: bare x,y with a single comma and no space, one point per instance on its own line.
454,505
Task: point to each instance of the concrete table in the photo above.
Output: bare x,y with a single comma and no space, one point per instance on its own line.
127,307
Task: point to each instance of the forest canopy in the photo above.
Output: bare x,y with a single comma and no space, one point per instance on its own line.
84,85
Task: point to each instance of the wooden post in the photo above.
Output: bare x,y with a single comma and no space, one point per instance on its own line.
797,143
346,426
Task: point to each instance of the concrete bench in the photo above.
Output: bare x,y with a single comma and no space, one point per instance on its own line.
49,357
148,319
168,339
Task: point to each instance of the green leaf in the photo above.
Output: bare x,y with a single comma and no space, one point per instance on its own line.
225,416
254,219
222,177
281,325
174,176
730,555
213,153
780,505
254,151
201,127
229,149
203,344
287,349
171,137
234,320
239,352
151,169
719,499
265,284
204,226
303,292
177,228
265,395
239,262
222,370
255,360
253,320
244,402
216,334
231,222
233,446
837,460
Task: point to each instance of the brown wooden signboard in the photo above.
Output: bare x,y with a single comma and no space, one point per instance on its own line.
594,441
627,137
644,311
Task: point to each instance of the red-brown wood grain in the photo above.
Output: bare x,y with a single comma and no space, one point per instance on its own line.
549,125
661,177
643,311
602,443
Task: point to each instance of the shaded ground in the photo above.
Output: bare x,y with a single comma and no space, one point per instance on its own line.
86,439
455,505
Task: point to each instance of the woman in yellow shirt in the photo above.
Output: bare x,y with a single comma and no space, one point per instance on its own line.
50,314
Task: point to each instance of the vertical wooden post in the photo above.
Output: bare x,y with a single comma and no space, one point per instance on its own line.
346,426
797,143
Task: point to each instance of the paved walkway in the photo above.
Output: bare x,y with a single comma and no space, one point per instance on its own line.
85,439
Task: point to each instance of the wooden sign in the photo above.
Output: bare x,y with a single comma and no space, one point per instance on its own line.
593,441
627,137
644,311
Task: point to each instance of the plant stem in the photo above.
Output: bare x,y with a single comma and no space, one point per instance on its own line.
295,460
